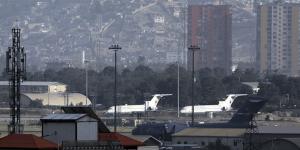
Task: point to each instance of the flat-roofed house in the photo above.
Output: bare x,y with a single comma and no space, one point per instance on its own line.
201,137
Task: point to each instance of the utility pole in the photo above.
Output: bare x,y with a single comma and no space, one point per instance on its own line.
16,69
86,82
85,63
183,9
193,48
178,86
115,48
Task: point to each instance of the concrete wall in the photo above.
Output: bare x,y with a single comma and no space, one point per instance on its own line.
59,131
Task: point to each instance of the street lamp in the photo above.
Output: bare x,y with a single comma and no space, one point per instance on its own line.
115,48
86,63
193,48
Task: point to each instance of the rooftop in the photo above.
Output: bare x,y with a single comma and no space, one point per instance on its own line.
26,141
211,132
117,137
63,117
142,138
279,130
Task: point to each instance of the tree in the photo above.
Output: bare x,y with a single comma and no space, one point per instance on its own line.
136,85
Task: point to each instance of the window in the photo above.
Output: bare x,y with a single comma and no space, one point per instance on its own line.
185,142
178,142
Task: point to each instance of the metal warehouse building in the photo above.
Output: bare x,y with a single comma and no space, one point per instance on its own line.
69,127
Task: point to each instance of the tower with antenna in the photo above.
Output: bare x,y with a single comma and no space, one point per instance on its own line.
251,130
16,70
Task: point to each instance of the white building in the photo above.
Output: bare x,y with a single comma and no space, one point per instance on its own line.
69,127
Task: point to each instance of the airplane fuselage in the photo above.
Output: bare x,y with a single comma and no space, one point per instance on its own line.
202,109
147,106
222,106
127,109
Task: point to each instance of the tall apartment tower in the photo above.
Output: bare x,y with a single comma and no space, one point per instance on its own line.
209,27
278,39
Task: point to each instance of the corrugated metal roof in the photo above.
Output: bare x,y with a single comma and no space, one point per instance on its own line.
34,83
62,117
279,129
117,137
141,138
207,132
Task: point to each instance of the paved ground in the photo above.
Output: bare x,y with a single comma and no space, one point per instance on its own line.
31,119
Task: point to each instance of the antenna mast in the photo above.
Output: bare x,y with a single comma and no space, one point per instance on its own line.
16,69
250,132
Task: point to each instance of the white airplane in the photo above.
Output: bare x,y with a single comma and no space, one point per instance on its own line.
148,106
222,106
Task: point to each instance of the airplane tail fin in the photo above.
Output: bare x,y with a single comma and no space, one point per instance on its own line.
152,104
246,113
230,99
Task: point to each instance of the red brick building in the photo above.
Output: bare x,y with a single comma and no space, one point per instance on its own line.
209,27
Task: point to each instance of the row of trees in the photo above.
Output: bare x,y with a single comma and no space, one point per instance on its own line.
281,91
138,84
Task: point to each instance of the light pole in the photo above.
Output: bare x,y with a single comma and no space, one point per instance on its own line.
193,48
86,63
178,86
115,48
86,82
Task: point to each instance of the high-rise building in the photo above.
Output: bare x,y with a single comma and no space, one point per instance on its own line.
278,38
209,27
